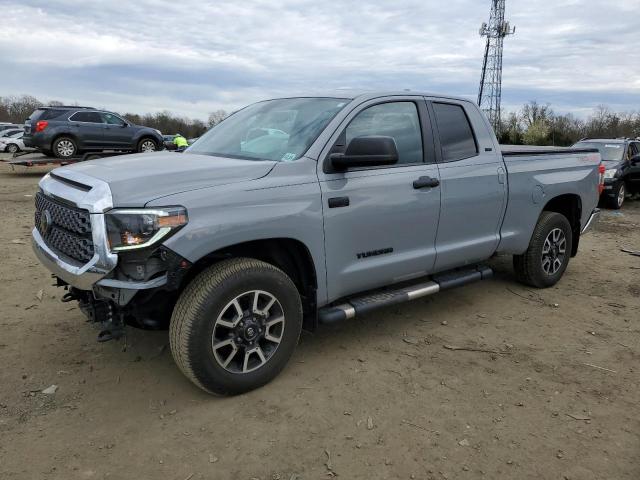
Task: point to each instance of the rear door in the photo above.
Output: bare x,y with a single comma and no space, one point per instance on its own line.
117,132
379,228
473,185
88,128
633,175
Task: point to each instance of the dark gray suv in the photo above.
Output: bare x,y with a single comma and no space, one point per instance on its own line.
66,131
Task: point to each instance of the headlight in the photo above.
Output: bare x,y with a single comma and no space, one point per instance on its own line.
129,229
610,173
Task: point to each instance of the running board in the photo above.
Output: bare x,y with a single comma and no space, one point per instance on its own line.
369,302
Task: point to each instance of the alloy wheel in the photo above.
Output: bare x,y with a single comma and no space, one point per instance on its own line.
66,148
621,195
248,331
554,251
148,146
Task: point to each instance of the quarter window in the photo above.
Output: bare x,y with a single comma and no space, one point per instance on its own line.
87,117
456,136
399,120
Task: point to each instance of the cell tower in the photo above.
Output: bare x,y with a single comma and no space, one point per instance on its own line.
490,94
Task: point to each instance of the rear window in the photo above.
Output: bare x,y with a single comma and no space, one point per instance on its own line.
456,136
89,117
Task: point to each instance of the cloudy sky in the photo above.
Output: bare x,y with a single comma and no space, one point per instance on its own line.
192,57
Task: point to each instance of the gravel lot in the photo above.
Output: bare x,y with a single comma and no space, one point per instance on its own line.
550,392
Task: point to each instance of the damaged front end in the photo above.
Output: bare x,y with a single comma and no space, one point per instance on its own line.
140,292
110,260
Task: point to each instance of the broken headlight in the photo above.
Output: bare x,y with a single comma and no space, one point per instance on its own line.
129,229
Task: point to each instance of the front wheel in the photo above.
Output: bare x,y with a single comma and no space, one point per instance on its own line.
547,257
619,193
147,145
235,326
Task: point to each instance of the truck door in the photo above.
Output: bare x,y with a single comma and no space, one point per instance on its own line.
633,177
380,223
473,185
88,128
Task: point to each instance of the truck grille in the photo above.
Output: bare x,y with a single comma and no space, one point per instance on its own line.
65,229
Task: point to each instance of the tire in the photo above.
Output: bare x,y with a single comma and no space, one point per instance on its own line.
205,316
617,200
533,267
147,145
64,147
12,148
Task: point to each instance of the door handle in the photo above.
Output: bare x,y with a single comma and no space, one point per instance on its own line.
426,182
338,202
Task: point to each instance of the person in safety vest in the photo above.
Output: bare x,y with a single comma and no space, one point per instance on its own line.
180,142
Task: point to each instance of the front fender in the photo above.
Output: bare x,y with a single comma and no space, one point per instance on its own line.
284,204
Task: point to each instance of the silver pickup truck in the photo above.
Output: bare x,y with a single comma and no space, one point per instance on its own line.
299,211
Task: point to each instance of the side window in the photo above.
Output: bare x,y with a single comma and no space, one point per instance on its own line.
456,136
111,119
399,120
88,117
633,150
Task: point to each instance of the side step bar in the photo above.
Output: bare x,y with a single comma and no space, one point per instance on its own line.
384,298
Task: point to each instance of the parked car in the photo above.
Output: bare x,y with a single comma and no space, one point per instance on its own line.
9,126
67,131
299,211
10,131
621,158
13,143
168,142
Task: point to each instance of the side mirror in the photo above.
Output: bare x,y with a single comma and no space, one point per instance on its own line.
369,151
124,124
635,159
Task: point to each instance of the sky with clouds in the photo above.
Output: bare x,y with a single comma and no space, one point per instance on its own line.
192,57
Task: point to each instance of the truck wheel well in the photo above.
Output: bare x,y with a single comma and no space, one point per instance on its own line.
290,256
570,206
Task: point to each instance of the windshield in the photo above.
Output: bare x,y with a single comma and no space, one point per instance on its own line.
281,130
610,152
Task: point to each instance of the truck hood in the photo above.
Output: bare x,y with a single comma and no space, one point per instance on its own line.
138,179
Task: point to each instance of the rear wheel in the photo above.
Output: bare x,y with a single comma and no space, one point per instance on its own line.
235,326
619,194
547,257
64,147
147,145
12,148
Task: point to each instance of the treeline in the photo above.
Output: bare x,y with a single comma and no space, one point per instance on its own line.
16,109
537,124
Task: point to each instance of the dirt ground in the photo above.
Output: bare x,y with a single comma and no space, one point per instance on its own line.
377,397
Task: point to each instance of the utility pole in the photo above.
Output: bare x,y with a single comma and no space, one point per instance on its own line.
490,94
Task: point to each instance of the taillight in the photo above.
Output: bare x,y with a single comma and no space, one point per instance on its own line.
41,125
601,170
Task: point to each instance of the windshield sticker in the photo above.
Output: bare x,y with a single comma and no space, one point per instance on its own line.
613,146
287,157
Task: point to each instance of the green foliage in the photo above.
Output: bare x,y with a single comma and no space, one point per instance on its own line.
537,124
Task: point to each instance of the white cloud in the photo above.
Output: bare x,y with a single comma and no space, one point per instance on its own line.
192,57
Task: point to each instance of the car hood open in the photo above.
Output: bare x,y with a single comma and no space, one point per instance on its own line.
140,178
